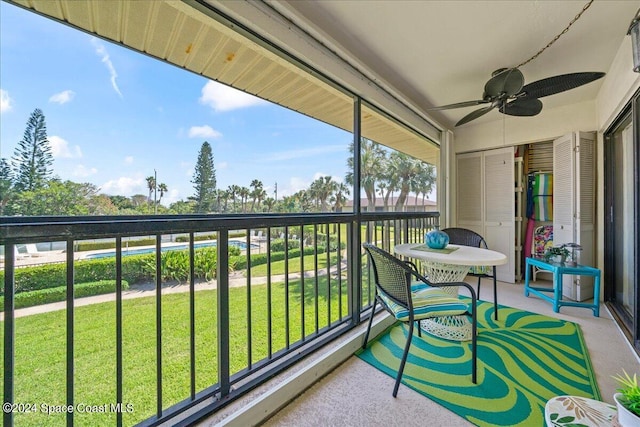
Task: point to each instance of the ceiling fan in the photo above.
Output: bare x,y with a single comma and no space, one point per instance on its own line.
507,92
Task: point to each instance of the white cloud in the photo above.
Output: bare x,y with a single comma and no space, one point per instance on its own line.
205,131
225,98
306,152
128,160
102,52
125,186
222,165
337,179
6,103
61,149
62,97
295,184
171,197
83,172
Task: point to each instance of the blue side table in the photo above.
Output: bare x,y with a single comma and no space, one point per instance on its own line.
558,270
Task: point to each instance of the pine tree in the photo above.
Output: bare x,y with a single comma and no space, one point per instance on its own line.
6,184
32,159
204,179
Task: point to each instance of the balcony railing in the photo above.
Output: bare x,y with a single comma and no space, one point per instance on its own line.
297,283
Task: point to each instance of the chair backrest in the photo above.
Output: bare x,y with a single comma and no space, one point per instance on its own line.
391,276
465,237
542,239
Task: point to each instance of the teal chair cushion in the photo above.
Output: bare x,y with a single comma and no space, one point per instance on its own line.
427,302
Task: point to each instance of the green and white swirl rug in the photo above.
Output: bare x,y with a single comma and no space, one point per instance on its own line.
524,359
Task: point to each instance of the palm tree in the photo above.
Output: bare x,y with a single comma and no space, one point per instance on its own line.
426,180
340,196
323,188
244,196
233,192
257,194
223,199
269,204
371,159
386,187
151,185
304,201
162,188
288,203
405,169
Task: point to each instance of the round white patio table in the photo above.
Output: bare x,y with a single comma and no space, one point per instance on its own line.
450,264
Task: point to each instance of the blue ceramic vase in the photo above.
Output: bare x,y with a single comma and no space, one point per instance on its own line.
436,239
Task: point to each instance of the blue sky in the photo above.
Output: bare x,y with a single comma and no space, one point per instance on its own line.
114,115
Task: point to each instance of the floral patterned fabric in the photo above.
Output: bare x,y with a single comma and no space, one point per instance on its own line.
542,239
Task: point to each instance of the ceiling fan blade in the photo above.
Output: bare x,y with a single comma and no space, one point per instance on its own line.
474,115
557,84
522,107
509,81
458,105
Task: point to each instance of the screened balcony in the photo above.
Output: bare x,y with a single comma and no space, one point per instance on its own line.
302,304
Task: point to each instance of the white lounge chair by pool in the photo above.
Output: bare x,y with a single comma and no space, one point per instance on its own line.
32,250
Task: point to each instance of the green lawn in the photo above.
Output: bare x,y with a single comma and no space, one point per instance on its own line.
41,348
277,267
40,344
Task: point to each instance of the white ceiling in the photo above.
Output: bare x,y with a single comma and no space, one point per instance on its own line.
441,52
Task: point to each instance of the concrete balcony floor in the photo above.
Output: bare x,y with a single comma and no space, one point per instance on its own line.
350,392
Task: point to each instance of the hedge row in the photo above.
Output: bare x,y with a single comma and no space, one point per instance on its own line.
212,236
94,246
259,259
141,268
135,269
59,293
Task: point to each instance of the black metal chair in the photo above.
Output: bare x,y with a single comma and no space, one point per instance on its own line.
410,303
466,237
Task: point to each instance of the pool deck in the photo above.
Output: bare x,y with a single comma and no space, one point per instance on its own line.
48,257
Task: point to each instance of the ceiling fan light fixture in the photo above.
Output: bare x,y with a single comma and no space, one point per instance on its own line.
634,32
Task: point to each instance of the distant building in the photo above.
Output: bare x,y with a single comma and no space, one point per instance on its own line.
412,204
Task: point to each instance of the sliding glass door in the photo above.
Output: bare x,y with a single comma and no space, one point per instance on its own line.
621,225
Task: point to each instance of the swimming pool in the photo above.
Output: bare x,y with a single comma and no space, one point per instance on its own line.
125,252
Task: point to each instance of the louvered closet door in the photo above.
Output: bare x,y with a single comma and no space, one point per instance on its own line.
564,166
469,191
499,208
585,208
485,201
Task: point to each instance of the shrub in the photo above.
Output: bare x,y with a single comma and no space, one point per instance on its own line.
59,293
333,241
277,245
175,264
47,276
135,269
197,237
93,246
